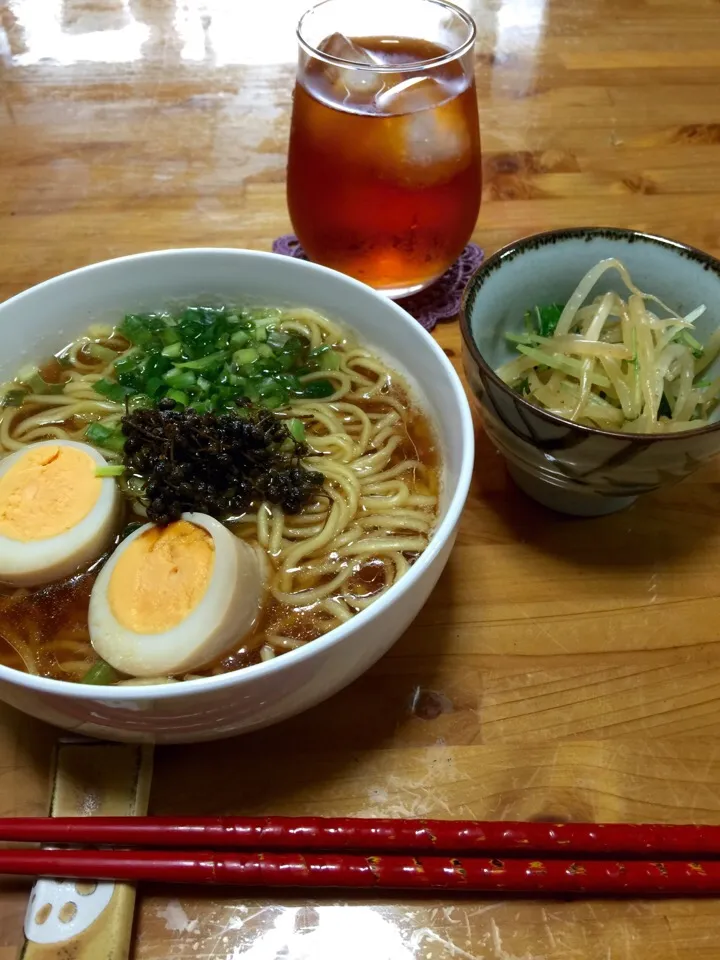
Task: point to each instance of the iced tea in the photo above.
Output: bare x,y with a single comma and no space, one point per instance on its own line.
384,163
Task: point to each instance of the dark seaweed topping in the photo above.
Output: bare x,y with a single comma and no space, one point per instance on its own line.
217,464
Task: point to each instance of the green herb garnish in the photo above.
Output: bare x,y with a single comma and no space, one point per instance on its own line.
110,470
206,358
318,389
31,378
688,340
101,674
109,438
111,390
296,428
13,398
546,318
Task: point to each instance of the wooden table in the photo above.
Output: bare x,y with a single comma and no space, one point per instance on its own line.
562,669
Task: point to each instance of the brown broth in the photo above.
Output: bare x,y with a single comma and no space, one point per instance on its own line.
419,444
58,612
54,372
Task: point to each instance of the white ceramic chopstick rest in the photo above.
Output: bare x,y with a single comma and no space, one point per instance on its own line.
61,909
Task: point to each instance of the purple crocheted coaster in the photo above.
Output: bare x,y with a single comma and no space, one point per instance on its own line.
439,301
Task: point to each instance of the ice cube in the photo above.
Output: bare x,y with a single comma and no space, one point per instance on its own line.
352,82
343,48
433,144
411,95
432,137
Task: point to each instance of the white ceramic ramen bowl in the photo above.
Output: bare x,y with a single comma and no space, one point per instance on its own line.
45,318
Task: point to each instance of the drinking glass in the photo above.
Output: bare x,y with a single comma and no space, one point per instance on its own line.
384,174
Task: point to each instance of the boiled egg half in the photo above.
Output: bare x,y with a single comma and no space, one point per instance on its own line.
171,599
56,515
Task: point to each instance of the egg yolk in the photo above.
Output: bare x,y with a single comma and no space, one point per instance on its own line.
161,577
47,492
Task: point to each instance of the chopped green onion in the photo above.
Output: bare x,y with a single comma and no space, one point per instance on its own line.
135,486
204,362
38,385
179,396
268,386
246,356
324,358
296,429
330,360
213,356
13,398
113,391
98,433
138,401
26,373
278,338
109,438
99,352
101,674
110,470
155,387
240,338
141,329
317,389
31,378
180,379
169,336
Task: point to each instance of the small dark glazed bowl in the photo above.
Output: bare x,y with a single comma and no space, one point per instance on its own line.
572,468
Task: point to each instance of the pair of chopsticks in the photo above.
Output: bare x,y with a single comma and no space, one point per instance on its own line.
415,855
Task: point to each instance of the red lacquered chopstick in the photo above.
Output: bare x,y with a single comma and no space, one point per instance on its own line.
477,838
632,878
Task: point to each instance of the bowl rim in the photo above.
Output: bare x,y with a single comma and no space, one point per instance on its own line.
525,245
115,694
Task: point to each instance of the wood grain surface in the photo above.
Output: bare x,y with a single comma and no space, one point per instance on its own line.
562,669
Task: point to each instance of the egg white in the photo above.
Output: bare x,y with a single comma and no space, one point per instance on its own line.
227,611
33,563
